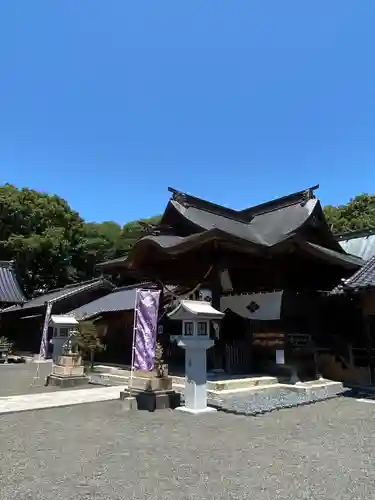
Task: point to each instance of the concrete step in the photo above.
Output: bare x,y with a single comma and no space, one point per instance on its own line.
121,377
110,379
233,383
114,370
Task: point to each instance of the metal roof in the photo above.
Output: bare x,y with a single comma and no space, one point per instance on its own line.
359,243
350,261
10,290
62,319
61,293
363,279
121,299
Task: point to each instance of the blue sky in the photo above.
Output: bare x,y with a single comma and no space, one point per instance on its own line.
107,103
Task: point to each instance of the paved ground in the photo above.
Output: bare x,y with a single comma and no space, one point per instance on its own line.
27,402
17,379
97,451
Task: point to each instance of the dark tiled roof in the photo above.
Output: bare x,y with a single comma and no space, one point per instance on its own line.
263,225
284,201
62,293
121,299
291,217
363,279
10,290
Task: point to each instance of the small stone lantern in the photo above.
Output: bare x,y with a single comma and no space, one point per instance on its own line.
196,317
67,367
62,328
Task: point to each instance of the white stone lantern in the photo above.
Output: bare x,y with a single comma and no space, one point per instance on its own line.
196,317
62,327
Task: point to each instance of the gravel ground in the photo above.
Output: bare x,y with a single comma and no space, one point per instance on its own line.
97,451
17,379
264,401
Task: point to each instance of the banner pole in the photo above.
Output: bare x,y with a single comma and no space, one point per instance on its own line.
133,343
44,342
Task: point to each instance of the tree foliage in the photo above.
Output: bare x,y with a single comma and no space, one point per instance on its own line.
358,213
42,233
88,340
51,243
130,233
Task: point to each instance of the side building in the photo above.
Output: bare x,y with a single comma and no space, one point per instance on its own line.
23,322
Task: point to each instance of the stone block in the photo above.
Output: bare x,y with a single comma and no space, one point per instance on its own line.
152,384
129,402
68,371
59,381
73,360
157,400
124,394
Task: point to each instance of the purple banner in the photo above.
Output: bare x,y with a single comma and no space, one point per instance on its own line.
145,329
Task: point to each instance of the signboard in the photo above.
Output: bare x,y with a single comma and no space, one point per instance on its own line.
280,357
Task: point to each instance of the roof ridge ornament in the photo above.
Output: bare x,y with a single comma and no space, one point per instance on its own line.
180,197
307,195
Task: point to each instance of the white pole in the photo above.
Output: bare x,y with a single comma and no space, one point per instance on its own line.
133,342
44,341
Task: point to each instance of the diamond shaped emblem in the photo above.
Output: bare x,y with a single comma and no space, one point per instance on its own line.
252,307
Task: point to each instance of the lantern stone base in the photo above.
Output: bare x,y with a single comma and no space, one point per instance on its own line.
150,400
68,371
128,402
192,411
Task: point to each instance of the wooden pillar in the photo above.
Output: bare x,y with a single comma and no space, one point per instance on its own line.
218,350
368,307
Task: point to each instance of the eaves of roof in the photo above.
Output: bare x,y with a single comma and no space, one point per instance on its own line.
61,294
120,299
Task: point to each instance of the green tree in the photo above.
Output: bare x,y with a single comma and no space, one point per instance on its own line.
131,232
42,233
88,340
358,213
51,243
99,244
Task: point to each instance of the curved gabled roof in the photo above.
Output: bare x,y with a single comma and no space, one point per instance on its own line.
264,225
189,222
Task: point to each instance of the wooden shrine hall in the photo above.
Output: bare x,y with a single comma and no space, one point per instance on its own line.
264,266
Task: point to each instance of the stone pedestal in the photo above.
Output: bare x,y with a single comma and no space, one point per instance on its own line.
150,400
196,317
196,375
157,400
68,371
128,402
151,383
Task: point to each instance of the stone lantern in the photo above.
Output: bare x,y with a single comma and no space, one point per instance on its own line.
196,317
62,328
67,367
